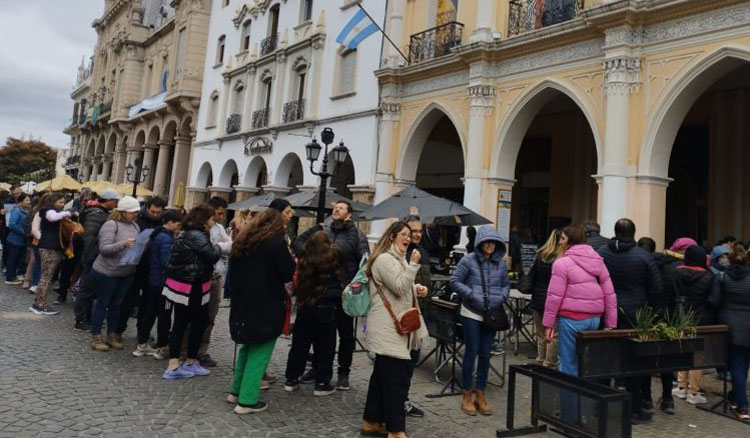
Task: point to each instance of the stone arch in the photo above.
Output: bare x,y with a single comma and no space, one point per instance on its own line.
284,174
299,63
100,145
153,135
518,120
205,175
169,131
123,145
416,138
111,143
225,176
186,127
255,170
140,139
682,93
91,148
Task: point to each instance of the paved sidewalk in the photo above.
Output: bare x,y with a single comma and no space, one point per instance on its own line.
53,385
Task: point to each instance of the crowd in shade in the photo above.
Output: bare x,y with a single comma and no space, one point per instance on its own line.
120,260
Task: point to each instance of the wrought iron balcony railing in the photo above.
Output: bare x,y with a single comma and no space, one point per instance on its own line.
528,15
293,111
260,118
268,44
233,123
435,42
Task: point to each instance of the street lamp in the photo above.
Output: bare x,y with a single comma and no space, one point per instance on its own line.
312,150
137,174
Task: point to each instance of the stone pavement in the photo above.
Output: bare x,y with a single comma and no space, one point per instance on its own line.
53,385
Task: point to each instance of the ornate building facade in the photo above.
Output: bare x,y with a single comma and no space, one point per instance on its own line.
542,113
80,94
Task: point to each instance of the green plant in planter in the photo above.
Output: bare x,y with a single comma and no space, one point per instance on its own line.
650,326
645,320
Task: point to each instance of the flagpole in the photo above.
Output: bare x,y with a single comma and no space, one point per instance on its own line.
383,32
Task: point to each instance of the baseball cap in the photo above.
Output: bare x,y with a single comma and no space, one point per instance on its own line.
109,194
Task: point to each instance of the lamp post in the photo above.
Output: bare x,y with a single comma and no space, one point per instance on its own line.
312,151
137,174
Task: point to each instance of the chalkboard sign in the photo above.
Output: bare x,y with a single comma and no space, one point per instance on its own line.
528,254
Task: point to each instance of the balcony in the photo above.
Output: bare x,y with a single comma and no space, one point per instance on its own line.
260,118
435,42
233,123
75,159
269,44
527,15
293,111
74,121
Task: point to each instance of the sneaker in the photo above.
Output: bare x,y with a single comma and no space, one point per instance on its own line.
25,285
412,410
161,353
207,361
143,350
231,398
308,377
696,399
291,385
667,406
342,382
36,309
20,278
679,392
13,282
179,373
32,289
258,407
82,326
742,413
49,311
196,369
264,385
269,378
323,389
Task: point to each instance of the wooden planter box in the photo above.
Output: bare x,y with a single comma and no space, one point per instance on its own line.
665,348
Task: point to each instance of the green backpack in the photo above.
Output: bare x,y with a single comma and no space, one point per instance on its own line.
355,299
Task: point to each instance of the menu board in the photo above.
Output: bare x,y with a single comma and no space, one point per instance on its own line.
528,254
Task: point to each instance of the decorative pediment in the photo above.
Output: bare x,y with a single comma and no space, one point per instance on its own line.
258,145
240,14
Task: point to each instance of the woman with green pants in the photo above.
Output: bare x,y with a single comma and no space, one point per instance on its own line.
261,271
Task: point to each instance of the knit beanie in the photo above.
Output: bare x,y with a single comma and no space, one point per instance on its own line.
683,243
695,256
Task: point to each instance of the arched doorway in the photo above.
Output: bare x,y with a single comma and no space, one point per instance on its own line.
290,172
228,179
256,174
708,194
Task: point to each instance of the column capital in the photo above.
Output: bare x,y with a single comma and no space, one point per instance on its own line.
653,179
481,99
165,144
196,189
622,75
244,189
366,188
151,146
219,189
390,110
277,190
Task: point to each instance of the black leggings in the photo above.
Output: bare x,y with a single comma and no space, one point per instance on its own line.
153,305
196,316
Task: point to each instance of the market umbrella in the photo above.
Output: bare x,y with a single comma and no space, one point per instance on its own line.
308,200
179,195
59,183
99,186
431,208
252,203
4,186
126,189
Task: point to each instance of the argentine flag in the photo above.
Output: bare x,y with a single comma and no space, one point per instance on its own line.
356,30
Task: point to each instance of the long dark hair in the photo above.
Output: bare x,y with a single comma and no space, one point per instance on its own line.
48,201
263,226
197,218
319,265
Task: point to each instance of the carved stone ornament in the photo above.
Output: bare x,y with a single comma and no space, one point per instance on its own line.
622,76
258,145
482,99
239,15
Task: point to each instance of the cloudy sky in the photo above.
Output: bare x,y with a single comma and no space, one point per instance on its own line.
41,45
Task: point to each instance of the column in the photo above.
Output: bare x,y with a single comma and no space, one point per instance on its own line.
485,21
650,207
247,112
180,165
195,196
246,192
279,85
95,169
384,175
121,157
622,69
162,168
395,29
149,153
224,102
107,170
279,191
316,66
86,169
481,104
221,192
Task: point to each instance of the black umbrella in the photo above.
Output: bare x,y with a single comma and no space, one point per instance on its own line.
308,200
256,203
431,208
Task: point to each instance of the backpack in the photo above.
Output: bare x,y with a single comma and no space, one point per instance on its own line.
355,300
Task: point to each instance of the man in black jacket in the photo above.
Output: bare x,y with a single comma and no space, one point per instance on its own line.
637,281
353,245
594,239
92,218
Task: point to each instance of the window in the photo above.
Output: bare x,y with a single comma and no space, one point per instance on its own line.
301,75
213,109
273,21
164,74
224,3
266,96
306,12
346,78
239,98
180,52
245,41
220,50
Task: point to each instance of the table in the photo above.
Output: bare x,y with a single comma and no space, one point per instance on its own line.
519,306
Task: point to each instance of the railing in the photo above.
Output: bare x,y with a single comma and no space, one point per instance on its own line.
75,159
435,42
293,111
260,118
233,123
268,44
528,15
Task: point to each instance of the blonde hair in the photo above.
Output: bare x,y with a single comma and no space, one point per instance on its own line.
117,215
384,244
551,250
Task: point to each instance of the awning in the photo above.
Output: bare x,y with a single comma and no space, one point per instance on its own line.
149,104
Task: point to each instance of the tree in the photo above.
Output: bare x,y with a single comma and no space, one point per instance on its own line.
19,157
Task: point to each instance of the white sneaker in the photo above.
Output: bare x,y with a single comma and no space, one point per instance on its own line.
696,399
143,350
32,289
679,392
161,353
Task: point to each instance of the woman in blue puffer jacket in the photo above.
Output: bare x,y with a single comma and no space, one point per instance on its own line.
467,282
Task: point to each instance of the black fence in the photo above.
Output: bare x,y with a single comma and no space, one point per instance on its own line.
233,123
435,42
260,118
293,111
269,44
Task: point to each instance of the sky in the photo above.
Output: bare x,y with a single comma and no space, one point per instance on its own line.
41,46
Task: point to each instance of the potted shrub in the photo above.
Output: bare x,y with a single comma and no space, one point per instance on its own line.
672,334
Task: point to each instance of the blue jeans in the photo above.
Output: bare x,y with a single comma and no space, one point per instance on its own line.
110,293
567,329
739,361
36,273
477,342
14,262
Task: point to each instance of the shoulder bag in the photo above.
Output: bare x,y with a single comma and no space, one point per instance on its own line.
493,319
407,321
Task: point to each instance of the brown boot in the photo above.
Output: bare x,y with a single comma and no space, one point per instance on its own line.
467,405
113,342
97,343
481,403
370,428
